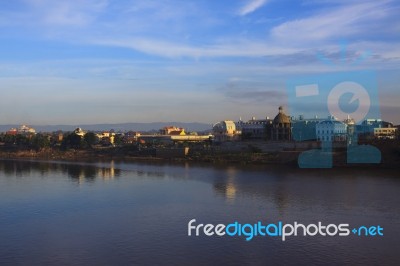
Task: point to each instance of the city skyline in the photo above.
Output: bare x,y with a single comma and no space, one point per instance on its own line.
99,61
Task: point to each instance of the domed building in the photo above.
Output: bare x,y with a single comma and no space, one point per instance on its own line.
281,127
351,130
225,131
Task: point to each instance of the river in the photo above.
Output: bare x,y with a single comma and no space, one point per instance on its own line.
128,213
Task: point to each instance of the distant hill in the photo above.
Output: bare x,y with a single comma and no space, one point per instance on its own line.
155,126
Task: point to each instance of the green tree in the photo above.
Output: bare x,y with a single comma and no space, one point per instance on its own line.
39,142
72,141
9,139
21,140
90,139
118,139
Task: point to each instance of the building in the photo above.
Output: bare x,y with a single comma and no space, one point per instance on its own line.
254,129
278,129
225,131
106,137
371,128
57,137
24,130
385,132
352,137
12,132
131,136
177,133
281,130
78,131
305,129
365,129
172,130
331,130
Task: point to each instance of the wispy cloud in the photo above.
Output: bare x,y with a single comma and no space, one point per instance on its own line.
63,12
155,28
251,90
348,20
195,47
251,6
246,94
218,49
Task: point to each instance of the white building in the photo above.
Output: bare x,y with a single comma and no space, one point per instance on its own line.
78,131
331,130
24,129
225,130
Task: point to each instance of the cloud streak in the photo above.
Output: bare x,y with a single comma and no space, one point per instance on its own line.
66,13
125,49
173,49
346,21
251,6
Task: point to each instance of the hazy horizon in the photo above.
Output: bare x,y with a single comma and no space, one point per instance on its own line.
108,62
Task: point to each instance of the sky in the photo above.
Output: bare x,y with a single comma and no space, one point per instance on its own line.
116,61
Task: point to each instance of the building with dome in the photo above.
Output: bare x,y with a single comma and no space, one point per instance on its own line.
352,137
79,131
281,130
225,131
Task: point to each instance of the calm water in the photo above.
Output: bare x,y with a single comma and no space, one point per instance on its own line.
115,213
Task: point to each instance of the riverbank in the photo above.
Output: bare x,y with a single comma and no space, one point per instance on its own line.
390,157
114,153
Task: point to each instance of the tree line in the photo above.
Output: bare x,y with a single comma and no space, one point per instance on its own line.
40,141
36,142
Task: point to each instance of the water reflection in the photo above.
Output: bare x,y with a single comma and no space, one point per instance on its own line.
344,187
137,213
226,185
79,172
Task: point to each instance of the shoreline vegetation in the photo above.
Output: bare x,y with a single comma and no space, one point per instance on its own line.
73,147
210,155
121,153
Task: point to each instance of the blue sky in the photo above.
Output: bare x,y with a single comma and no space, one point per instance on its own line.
109,61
